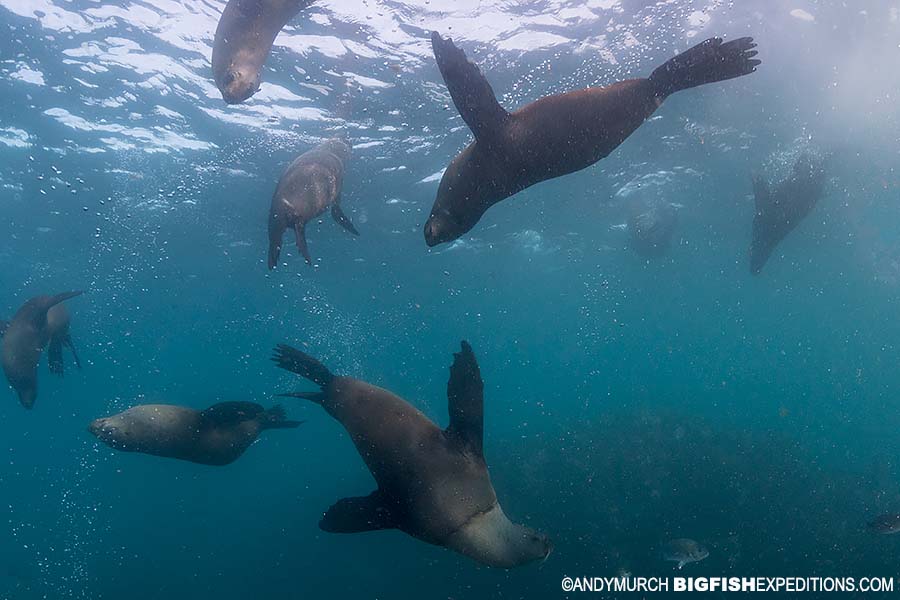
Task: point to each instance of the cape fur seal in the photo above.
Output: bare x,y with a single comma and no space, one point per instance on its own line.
215,436
555,135
244,37
309,185
433,484
780,210
24,340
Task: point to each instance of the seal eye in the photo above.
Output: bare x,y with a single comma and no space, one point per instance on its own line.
230,78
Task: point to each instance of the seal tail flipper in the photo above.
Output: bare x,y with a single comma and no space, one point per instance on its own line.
276,418
342,219
68,343
355,515
470,90
55,356
709,61
465,398
302,364
300,232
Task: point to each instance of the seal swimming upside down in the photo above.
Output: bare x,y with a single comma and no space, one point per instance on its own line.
244,38
24,340
555,135
433,484
217,436
309,185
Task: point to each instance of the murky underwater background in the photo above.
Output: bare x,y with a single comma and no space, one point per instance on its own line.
628,401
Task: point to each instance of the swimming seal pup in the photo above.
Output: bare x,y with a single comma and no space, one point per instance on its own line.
58,320
24,340
244,37
215,436
433,484
555,135
309,185
780,210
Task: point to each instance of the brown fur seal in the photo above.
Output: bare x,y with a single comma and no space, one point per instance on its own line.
432,484
243,40
555,135
780,210
215,436
309,185
58,320
25,338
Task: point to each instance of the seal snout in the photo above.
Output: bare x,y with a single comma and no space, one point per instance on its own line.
238,87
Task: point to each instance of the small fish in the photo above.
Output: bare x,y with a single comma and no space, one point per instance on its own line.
885,524
684,551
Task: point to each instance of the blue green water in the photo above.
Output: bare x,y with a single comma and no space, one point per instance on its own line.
627,402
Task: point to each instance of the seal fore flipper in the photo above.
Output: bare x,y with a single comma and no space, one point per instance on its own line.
302,364
470,90
709,61
465,399
67,342
55,356
355,515
342,219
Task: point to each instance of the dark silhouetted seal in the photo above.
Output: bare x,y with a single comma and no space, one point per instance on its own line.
555,135
244,37
780,210
215,436
25,338
58,320
310,185
432,484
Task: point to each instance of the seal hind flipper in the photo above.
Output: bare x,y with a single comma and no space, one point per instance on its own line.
300,232
276,418
55,357
302,364
362,513
465,398
231,413
342,219
472,94
709,61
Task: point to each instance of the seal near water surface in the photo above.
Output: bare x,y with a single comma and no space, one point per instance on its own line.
24,339
244,38
433,484
780,210
555,135
309,185
216,436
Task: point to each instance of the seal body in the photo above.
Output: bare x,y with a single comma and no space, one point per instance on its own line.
215,436
555,135
244,37
309,186
780,210
26,336
433,484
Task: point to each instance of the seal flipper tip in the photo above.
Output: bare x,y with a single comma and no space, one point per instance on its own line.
302,364
709,61
470,90
359,514
342,219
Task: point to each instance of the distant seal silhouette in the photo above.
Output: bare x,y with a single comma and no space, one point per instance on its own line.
780,210
651,227
215,436
309,185
244,38
433,484
26,336
58,320
555,135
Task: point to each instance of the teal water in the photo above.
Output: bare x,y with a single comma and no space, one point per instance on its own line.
627,402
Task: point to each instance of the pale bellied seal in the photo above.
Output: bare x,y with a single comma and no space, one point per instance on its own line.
555,135
215,436
307,188
58,320
244,37
25,338
780,210
432,484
